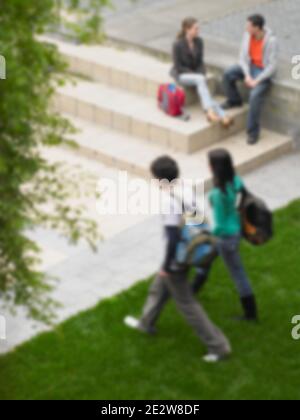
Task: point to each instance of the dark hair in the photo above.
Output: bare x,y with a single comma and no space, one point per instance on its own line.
165,168
187,24
257,20
222,167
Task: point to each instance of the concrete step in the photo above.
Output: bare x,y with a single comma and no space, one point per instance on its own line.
124,69
140,117
130,154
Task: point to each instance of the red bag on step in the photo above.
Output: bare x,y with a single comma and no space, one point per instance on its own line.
171,99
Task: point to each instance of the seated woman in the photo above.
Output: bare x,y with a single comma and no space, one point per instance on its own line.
189,70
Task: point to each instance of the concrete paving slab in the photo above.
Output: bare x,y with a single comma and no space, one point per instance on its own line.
144,24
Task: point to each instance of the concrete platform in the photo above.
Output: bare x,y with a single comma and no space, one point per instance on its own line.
120,68
139,116
127,153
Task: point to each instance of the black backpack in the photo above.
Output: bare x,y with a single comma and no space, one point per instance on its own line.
257,219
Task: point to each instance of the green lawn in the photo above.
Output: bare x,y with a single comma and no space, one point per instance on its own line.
93,356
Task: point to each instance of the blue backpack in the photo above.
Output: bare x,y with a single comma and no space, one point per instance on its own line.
197,247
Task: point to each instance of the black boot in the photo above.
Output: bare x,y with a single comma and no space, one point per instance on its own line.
250,309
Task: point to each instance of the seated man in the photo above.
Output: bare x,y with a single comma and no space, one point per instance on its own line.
258,64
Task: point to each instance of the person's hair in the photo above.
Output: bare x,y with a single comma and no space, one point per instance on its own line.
222,166
187,24
165,168
257,20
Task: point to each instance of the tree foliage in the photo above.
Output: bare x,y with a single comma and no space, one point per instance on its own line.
34,192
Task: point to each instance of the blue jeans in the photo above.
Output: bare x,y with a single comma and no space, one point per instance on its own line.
229,250
257,95
199,81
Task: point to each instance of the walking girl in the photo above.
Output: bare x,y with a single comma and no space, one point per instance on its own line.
227,225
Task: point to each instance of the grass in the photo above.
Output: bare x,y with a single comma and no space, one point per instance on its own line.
93,356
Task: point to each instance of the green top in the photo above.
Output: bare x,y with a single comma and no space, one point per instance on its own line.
226,217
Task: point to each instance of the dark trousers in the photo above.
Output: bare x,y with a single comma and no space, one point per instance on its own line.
257,95
229,251
178,287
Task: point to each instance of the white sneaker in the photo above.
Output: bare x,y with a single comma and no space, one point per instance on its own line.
132,322
212,358
135,324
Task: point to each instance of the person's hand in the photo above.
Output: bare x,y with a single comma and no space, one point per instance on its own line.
163,274
255,83
249,81
252,83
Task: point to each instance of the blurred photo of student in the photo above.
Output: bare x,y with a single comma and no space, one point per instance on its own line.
173,282
227,225
189,70
257,67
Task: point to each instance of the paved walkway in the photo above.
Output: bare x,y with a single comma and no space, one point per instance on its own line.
153,23
127,257
86,278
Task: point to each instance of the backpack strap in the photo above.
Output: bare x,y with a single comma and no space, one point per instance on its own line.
182,204
243,194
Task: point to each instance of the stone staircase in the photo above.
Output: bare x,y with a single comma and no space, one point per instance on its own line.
113,104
